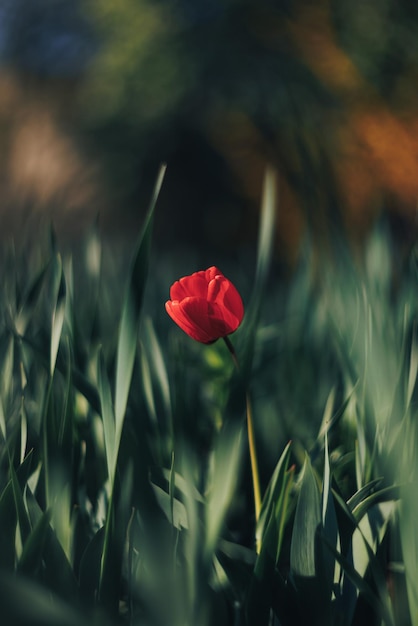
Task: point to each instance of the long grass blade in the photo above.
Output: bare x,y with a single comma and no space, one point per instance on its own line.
129,325
58,297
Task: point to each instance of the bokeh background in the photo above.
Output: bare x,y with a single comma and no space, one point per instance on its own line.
94,95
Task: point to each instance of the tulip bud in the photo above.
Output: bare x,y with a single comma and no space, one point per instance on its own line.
206,305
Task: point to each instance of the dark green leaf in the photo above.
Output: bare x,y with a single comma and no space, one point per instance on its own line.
307,523
117,520
24,603
89,577
34,547
57,574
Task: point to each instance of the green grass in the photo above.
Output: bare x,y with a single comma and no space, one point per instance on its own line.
125,482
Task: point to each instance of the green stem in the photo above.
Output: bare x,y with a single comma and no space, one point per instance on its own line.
251,440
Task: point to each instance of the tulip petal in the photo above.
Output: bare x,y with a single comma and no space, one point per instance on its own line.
194,285
223,322
217,285
220,327
222,291
233,302
176,312
191,314
212,272
197,312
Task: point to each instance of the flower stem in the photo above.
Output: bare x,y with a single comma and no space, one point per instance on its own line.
251,439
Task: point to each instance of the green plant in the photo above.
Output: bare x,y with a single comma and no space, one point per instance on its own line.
124,487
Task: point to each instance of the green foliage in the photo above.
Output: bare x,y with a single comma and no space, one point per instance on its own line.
125,491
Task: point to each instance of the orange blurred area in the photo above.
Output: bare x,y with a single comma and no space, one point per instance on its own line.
379,145
374,152
368,146
44,176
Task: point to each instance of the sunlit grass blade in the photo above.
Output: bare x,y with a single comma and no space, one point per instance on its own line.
174,510
158,366
307,571
409,540
108,419
60,492
272,513
329,526
264,256
363,493
7,378
413,370
156,386
307,522
329,421
226,462
387,494
87,389
266,231
275,512
58,297
363,586
129,325
118,512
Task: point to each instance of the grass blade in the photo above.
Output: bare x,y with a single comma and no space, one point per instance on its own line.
225,475
306,525
108,418
129,325
58,297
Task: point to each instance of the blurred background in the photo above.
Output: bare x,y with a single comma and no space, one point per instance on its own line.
95,94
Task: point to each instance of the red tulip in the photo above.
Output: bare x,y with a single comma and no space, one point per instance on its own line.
206,305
